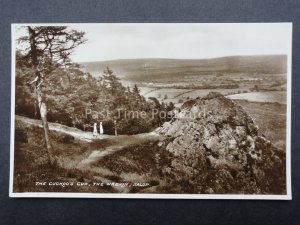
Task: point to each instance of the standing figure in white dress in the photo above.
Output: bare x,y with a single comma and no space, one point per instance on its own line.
101,131
95,133
115,126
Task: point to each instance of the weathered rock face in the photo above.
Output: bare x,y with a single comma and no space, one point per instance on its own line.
216,147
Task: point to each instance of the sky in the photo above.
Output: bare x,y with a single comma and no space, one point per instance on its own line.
180,41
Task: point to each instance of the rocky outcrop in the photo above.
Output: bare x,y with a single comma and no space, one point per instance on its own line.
217,149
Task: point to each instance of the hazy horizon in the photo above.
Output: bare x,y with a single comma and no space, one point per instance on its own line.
218,57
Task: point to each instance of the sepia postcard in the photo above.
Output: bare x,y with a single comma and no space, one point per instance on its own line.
178,110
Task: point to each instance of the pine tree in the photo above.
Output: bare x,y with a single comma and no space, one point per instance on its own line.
49,48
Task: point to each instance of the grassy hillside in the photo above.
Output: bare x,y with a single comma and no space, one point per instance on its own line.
77,160
160,69
270,118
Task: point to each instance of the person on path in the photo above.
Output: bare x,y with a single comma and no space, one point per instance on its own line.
95,133
101,131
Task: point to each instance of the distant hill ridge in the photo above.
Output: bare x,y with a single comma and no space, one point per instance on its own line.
152,69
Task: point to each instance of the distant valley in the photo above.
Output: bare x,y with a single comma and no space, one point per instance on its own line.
177,80
162,70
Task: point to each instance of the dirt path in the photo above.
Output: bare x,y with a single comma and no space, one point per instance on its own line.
76,133
184,93
118,142
96,155
156,89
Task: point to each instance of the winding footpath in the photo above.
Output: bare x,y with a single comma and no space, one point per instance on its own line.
119,142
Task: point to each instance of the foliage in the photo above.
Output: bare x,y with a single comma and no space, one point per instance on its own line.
75,98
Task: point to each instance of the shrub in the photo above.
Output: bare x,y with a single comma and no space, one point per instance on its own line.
20,135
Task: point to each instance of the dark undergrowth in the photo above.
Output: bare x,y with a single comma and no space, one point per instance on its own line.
31,163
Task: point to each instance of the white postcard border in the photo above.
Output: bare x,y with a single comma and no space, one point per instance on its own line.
288,196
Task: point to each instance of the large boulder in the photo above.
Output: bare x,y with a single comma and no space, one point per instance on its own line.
215,143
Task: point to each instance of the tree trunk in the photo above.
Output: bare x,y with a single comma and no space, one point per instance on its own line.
35,110
39,94
115,125
43,112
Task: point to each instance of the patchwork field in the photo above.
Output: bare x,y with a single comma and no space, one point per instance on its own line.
272,96
178,95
